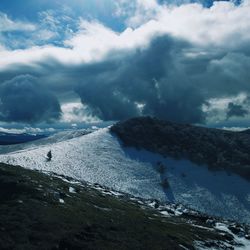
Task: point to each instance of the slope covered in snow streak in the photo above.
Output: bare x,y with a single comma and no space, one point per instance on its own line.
100,158
96,158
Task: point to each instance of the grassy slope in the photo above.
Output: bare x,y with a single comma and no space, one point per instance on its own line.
31,217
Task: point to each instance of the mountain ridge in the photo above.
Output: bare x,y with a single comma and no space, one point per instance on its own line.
13,138
215,148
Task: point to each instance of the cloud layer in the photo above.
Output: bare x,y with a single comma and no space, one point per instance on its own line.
24,100
177,62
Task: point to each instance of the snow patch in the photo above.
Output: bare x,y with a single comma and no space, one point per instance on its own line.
241,241
72,190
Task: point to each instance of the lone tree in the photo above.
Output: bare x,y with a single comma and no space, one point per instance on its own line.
49,155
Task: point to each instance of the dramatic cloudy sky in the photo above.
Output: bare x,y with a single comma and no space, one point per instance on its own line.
73,61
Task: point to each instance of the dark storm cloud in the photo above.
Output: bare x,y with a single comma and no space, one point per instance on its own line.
227,75
169,79
236,110
144,82
23,99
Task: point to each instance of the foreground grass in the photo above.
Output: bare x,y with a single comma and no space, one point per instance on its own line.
33,216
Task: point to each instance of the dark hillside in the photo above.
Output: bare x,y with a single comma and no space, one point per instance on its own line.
247,131
38,211
218,149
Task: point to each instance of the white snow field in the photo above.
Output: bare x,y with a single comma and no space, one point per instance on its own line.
100,158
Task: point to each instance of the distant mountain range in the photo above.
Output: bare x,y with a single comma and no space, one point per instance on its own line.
11,138
217,149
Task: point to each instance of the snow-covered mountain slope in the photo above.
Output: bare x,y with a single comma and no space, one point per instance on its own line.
100,158
96,158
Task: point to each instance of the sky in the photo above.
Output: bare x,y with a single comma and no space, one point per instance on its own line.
70,62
